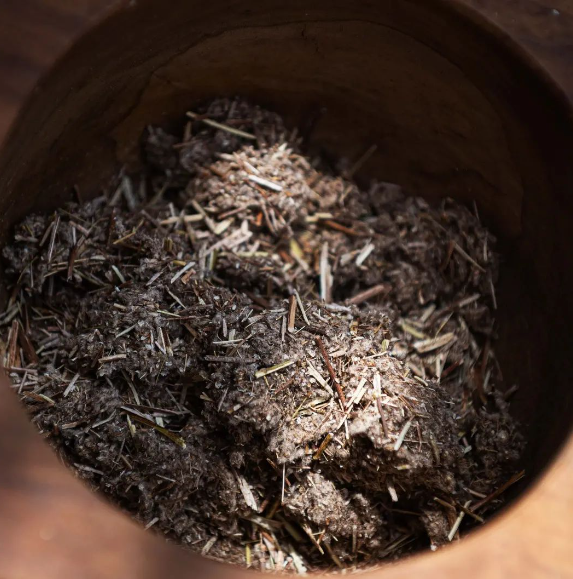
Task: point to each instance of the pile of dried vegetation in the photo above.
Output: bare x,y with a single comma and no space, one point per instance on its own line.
262,360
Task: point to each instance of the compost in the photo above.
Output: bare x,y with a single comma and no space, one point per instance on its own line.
265,362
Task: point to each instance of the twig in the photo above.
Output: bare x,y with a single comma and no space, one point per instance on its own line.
458,522
112,358
144,420
342,228
53,238
266,183
246,491
220,126
151,523
208,545
391,489
425,346
291,313
325,275
492,291
283,487
330,369
306,528
302,311
230,359
182,271
368,294
70,387
318,377
499,491
402,435
73,257
26,345
281,366
465,509
322,446
333,556
363,255
468,257
184,218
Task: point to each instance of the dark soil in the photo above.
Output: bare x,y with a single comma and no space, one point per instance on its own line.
261,360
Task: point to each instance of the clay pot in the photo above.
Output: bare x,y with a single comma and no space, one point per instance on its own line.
456,108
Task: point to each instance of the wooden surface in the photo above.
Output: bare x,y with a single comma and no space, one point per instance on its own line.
52,526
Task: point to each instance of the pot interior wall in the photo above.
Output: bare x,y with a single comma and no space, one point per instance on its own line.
453,111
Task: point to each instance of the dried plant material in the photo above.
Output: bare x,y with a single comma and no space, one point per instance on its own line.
182,271
144,420
469,258
402,435
368,294
247,492
322,446
291,314
265,183
302,310
363,255
515,478
392,489
70,387
330,369
325,275
281,366
221,126
425,346
112,358
260,359
318,377
458,522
